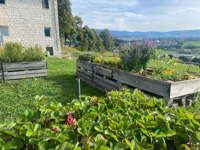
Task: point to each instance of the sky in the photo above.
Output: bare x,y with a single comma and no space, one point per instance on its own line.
139,15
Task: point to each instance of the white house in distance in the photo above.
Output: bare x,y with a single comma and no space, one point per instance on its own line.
31,22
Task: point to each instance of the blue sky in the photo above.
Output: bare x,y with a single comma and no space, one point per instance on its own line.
139,15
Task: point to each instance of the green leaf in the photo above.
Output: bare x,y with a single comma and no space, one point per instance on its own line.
121,146
114,137
129,144
160,118
185,146
98,128
162,143
11,125
10,133
101,107
29,133
99,143
36,127
87,124
17,143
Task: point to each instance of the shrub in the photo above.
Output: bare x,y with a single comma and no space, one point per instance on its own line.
120,121
89,56
97,60
196,60
35,53
183,58
12,52
137,56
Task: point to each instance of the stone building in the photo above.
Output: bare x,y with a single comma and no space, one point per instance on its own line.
31,22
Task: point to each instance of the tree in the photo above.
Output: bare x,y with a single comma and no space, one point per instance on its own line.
108,40
90,40
66,20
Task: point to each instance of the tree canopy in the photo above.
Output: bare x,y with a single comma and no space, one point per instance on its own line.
108,40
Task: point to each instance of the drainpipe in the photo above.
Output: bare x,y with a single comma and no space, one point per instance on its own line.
56,24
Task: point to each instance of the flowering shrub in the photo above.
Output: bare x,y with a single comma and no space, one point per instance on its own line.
136,56
122,120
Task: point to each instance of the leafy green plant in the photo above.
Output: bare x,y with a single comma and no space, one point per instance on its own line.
89,56
168,69
35,53
12,52
120,121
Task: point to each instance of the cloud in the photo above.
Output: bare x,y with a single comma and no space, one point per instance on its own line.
132,15
138,15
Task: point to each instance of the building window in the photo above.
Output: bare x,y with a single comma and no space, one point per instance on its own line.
47,32
4,30
50,50
2,1
45,3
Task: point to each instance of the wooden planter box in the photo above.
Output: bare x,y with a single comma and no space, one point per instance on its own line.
21,70
180,93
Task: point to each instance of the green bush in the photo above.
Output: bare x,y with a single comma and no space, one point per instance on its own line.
89,56
195,60
183,58
12,52
34,53
119,121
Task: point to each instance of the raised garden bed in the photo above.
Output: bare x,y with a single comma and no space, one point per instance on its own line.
180,93
21,70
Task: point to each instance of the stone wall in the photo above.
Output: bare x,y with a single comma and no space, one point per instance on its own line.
26,20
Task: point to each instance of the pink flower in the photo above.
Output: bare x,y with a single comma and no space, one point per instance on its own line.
70,119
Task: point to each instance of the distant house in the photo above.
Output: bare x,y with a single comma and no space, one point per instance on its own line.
188,51
31,22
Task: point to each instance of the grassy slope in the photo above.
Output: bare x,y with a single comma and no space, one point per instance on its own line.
195,43
60,85
160,51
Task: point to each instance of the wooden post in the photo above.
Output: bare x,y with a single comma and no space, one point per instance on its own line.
169,101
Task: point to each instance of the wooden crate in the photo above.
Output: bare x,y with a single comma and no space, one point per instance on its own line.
21,70
105,77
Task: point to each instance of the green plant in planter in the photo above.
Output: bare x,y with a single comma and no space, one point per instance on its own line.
12,52
121,120
137,55
35,53
89,56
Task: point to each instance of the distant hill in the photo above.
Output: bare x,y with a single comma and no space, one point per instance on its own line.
171,34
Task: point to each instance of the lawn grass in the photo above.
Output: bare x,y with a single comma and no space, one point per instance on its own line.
60,85
67,50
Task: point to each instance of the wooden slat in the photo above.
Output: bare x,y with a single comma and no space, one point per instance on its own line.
25,76
25,72
84,72
151,85
114,84
84,76
103,71
104,85
186,87
24,66
85,65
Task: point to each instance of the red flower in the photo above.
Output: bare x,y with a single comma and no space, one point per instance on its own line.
70,119
95,101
